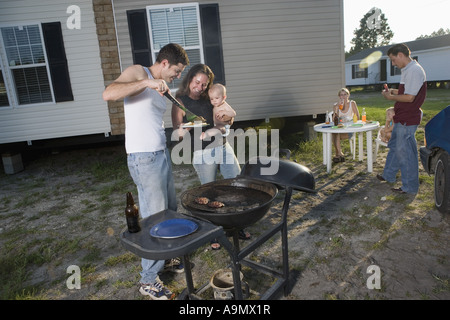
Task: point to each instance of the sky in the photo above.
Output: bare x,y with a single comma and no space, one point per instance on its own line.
407,19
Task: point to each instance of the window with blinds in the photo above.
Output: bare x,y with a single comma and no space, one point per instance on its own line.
27,64
358,72
177,23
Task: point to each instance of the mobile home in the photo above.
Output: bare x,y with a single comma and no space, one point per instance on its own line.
432,53
50,71
277,59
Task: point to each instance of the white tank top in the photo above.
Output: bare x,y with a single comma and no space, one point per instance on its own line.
349,114
144,125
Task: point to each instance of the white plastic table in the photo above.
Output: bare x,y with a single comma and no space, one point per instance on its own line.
327,130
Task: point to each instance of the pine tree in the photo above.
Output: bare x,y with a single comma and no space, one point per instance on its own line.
373,31
440,32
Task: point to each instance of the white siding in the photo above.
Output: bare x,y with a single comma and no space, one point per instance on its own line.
88,113
436,63
282,58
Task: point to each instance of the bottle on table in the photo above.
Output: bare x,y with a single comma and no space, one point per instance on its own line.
132,214
363,115
335,118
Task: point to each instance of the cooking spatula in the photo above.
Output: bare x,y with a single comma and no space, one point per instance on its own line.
190,116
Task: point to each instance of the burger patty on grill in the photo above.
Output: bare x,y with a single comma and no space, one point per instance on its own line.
216,204
201,200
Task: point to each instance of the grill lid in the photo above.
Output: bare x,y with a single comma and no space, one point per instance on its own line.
281,172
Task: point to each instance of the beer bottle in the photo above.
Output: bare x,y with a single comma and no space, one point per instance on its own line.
336,118
132,214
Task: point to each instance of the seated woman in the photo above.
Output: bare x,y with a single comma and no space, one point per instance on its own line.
344,110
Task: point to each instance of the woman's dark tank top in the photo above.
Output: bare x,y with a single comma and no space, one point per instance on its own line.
201,108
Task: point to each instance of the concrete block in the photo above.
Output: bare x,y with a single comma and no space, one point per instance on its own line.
12,162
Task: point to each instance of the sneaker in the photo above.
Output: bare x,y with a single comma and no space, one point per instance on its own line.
174,265
156,291
398,190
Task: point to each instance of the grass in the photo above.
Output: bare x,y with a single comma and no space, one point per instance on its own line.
376,105
26,247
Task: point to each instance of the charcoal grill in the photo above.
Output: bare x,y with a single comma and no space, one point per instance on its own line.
245,201
254,193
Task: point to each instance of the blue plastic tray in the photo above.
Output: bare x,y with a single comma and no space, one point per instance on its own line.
173,228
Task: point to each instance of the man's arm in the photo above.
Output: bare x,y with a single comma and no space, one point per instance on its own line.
413,81
131,82
394,96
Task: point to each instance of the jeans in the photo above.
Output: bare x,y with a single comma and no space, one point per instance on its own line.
152,174
403,156
207,161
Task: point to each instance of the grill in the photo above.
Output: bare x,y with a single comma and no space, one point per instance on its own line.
247,199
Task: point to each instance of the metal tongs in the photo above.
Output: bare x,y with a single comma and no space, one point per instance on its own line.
190,116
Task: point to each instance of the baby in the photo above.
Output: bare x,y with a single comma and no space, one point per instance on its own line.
385,133
221,111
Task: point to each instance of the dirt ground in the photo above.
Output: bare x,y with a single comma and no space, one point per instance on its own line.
62,211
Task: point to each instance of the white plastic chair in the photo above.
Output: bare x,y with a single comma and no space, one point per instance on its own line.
352,140
378,142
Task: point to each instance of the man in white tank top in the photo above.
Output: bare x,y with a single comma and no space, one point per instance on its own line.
145,142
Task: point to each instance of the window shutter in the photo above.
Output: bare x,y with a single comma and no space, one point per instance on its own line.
140,42
57,61
212,40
